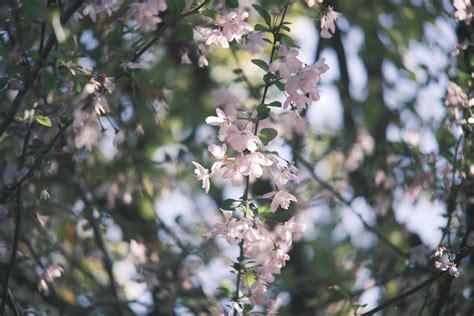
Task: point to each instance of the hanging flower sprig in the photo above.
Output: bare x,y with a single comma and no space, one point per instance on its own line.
242,154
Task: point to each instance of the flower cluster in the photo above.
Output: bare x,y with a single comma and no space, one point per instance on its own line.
102,9
464,10
146,14
267,251
230,27
450,266
249,159
328,23
242,155
456,100
301,80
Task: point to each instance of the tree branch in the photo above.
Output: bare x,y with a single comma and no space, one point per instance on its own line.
10,115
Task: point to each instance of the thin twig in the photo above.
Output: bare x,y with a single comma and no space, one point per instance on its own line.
405,294
13,305
348,203
99,240
160,32
10,115
16,240
462,253
30,171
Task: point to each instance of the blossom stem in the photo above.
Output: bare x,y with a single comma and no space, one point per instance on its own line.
245,196
276,39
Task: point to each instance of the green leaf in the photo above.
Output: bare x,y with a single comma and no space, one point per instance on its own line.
288,41
263,28
230,204
176,5
275,104
43,120
226,291
280,85
267,135
248,308
264,210
262,112
260,63
264,14
446,142
233,3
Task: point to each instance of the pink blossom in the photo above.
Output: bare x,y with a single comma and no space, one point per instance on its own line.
221,120
233,171
258,291
451,267
311,3
252,164
289,228
102,9
214,38
306,79
280,199
252,235
234,232
185,59
146,14
440,250
455,96
285,174
202,61
204,175
219,152
241,140
328,23
279,257
464,10
233,25
287,63
297,102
